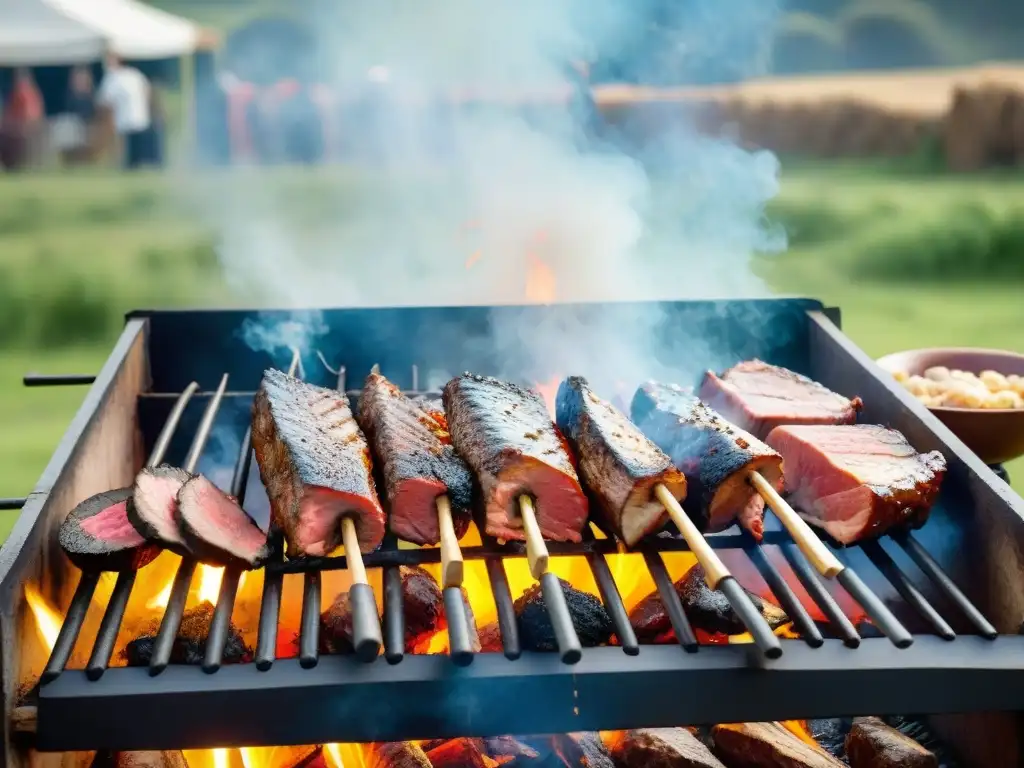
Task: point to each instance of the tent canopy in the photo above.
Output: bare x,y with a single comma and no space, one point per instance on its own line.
45,32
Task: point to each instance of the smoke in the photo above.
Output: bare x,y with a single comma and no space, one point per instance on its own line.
456,206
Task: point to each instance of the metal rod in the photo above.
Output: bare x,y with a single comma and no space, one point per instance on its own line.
394,616
110,625
171,620
270,610
460,645
240,478
880,615
171,425
70,627
366,635
507,624
56,380
949,588
220,624
670,599
568,642
751,617
415,378
205,427
838,621
787,599
12,503
309,629
341,378
613,604
884,563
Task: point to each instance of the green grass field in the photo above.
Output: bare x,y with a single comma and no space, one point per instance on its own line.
913,259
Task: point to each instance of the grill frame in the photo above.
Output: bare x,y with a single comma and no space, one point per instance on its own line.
924,678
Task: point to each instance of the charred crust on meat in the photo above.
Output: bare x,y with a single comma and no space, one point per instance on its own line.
119,547
202,547
592,623
138,514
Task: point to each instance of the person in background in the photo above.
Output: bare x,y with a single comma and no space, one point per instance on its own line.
22,120
126,92
73,127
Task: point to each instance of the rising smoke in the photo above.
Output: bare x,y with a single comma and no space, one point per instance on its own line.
451,206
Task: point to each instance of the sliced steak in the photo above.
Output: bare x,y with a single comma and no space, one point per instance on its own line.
506,750
873,744
754,745
857,482
98,536
315,464
759,397
155,502
506,435
715,456
417,461
663,748
707,609
215,529
592,623
395,754
618,465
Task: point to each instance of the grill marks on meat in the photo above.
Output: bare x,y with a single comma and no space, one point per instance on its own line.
396,754
619,466
663,748
315,464
418,462
217,530
592,623
872,743
506,435
155,505
715,456
759,397
707,609
857,481
752,745
98,536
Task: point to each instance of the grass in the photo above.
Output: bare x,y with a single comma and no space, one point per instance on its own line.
913,258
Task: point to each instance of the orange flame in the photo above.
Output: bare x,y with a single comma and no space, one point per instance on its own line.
799,729
48,620
549,391
344,755
205,587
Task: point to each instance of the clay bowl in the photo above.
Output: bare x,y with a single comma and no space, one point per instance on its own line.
996,435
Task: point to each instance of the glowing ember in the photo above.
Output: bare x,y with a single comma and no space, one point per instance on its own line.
549,391
205,585
344,755
48,621
799,729
220,758
334,754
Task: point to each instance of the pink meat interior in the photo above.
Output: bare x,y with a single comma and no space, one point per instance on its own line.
112,525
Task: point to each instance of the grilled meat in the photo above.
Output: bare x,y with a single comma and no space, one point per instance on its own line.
662,748
582,750
217,530
873,744
753,745
315,464
395,754
707,609
97,535
619,466
857,481
190,644
715,456
759,397
505,434
155,501
592,623
417,460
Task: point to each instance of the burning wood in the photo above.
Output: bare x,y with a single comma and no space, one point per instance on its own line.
592,623
662,748
167,759
508,750
873,744
582,750
190,644
460,753
751,745
396,754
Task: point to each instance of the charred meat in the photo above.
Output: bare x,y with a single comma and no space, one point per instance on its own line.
618,465
857,482
417,461
759,397
215,529
715,456
155,503
190,644
663,748
505,434
751,745
592,623
707,609
873,744
97,535
315,464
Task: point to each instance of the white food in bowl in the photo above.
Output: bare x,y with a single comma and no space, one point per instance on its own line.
941,387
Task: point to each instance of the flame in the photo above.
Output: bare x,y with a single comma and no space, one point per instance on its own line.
540,281
799,729
205,587
344,755
48,620
209,586
549,391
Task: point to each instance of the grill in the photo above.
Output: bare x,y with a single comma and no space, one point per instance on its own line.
945,602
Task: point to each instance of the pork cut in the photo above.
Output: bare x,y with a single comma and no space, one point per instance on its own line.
155,500
857,481
98,536
417,460
715,456
216,529
504,432
315,465
872,743
619,466
758,397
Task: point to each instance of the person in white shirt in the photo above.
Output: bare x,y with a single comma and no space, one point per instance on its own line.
126,91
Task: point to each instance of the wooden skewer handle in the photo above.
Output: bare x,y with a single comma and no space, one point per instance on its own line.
352,554
536,549
814,549
714,568
451,553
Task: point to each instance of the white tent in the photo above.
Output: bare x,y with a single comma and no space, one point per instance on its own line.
42,32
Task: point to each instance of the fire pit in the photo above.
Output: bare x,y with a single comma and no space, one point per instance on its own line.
184,656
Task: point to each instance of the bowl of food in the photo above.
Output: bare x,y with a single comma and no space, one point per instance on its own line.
977,393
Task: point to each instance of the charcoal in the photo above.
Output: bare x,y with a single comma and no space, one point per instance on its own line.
915,728
754,745
872,743
582,750
97,535
190,645
459,753
490,638
591,621
395,754
831,734
663,748
156,501
172,758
